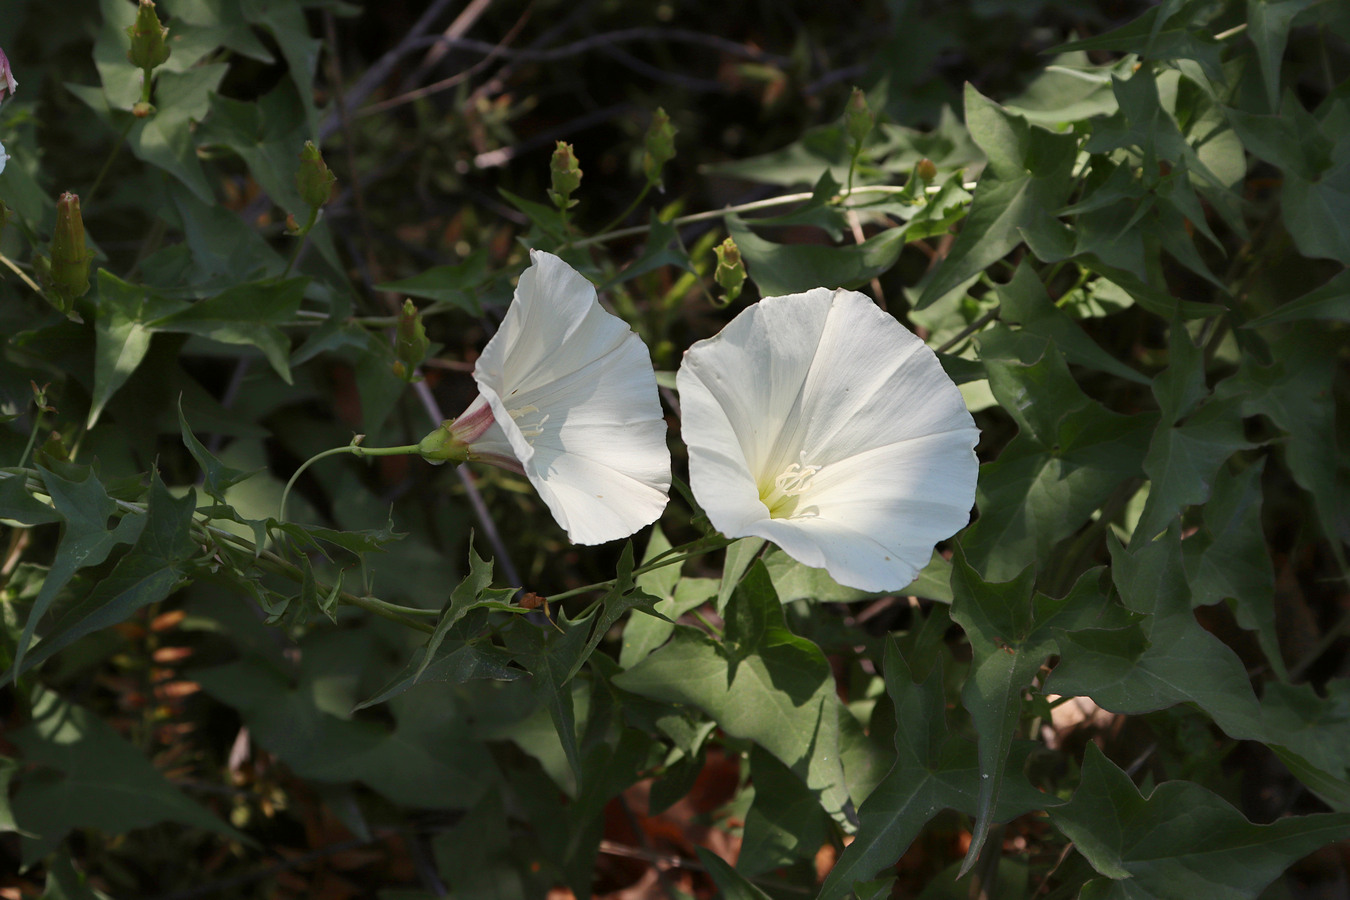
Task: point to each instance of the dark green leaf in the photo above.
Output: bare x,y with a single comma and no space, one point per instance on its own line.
248,314
792,268
1027,175
218,477
732,884
104,781
1182,841
451,285
155,567
785,822
1330,301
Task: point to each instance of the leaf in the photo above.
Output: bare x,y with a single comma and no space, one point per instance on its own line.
732,884
474,592
656,253
1229,559
17,505
86,541
550,656
1182,841
218,477
121,339
1268,23
791,268
65,883
1164,658
155,567
165,140
267,134
934,770
248,315
1028,174
766,685
619,599
1069,455
1011,635
451,285
1330,301
784,823
104,781
1311,735
740,556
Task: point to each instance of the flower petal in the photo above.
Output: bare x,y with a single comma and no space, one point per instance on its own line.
573,391
854,400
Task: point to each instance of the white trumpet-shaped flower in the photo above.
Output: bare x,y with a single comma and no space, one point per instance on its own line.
567,397
820,423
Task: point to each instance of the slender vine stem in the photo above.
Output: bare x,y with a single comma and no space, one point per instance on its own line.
659,562
23,276
618,220
354,450
300,240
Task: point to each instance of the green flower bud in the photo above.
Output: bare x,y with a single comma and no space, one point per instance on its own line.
410,342
313,179
858,118
659,146
148,47
926,169
566,175
445,443
730,274
68,277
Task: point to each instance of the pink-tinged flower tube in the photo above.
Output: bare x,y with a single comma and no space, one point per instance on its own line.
819,422
7,83
567,397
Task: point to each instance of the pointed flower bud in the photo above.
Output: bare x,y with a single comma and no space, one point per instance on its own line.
730,274
314,180
659,146
566,175
69,275
148,47
7,83
857,117
410,342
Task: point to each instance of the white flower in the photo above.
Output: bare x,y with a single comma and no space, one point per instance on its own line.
820,423
3,158
567,397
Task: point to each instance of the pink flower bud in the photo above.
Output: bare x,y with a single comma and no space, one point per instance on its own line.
7,83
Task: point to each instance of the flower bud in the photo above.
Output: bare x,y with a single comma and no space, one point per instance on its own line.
7,83
148,48
142,110
926,169
69,274
566,175
314,180
857,117
410,342
730,274
659,146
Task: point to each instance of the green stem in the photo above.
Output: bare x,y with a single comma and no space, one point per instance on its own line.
354,450
23,276
107,163
300,240
618,220
32,436
660,562
769,203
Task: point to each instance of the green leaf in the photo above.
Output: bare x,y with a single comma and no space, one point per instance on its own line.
166,139
1268,23
1011,635
87,541
791,268
1027,175
623,596
248,315
104,782
784,823
267,133
740,556
218,477
449,285
732,884
1182,841
778,692
1330,301
934,770
1069,455
1311,735
656,253
1229,560
17,505
121,338
474,592
155,567
549,656
1163,659
1023,301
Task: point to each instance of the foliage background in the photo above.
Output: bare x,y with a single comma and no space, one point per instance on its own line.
1144,302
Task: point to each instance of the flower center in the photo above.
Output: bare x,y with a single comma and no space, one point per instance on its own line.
783,495
528,429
